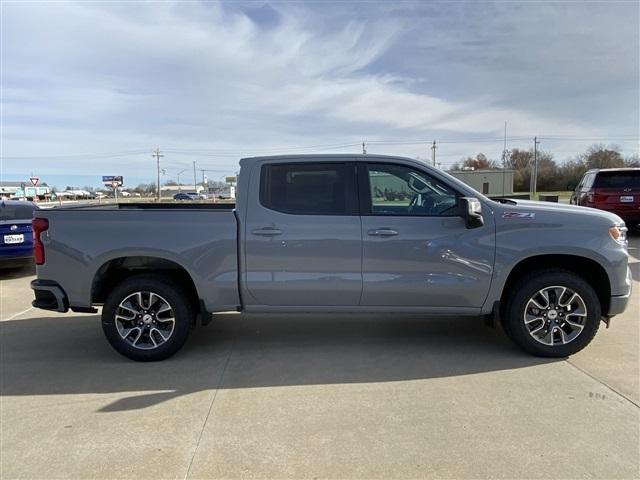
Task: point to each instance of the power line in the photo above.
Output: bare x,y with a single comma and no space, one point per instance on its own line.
229,153
76,156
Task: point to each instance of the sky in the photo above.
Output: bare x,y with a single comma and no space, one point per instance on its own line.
90,89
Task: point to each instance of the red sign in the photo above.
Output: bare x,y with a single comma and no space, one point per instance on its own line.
34,180
114,185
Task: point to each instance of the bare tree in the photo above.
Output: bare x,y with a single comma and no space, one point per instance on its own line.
480,162
599,156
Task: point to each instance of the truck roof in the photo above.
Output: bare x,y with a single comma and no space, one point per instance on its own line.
310,157
619,169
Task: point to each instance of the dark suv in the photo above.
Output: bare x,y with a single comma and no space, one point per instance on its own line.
616,190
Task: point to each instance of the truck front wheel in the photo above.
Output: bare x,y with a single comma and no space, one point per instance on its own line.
551,313
147,318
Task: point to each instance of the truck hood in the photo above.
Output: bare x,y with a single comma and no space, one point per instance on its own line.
523,206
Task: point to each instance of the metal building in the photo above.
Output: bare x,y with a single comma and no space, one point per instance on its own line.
487,182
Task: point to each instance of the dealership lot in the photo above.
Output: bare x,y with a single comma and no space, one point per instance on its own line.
314,397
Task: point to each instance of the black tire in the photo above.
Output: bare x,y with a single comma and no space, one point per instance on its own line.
181,310
525,288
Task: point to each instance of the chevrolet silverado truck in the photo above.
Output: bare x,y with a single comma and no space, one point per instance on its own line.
335,234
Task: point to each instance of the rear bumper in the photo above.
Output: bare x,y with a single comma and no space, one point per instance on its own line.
618,303
49,296
16,261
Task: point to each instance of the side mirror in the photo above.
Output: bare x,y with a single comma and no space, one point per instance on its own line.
471,212
571,187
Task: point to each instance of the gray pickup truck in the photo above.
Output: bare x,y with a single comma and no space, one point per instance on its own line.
342,234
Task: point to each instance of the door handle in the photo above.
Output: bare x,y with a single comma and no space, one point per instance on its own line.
382,232
267,231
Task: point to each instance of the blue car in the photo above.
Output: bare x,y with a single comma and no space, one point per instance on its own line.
16,247
182,196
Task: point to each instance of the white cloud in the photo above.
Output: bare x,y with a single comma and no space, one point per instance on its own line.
110,77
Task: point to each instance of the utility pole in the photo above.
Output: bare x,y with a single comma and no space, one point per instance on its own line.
534,168
433,153
158,156
364,147
504,158
195,186
202,170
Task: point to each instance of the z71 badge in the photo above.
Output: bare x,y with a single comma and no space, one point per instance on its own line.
518,215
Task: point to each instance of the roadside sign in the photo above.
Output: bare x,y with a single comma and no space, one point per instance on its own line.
115,185
34,181
230,179
111,179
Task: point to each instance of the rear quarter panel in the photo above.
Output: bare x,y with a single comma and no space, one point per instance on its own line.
79,242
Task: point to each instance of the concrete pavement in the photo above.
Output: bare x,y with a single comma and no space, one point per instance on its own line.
314,397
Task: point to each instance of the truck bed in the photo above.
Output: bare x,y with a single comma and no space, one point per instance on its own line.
83,242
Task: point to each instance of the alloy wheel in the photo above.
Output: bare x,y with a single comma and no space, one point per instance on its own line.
555,315
145,320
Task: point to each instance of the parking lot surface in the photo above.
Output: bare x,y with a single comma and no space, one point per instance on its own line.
314,397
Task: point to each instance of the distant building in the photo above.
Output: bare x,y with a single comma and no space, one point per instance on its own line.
228,191
9,189
24,190
488,182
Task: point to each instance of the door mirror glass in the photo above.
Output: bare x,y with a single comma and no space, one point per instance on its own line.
471,212
571,187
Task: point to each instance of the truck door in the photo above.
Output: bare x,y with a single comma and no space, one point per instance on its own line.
417,250
303,243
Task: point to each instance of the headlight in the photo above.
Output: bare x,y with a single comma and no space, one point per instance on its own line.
619,234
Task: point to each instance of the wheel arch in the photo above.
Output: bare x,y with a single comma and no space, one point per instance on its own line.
115,270
587,268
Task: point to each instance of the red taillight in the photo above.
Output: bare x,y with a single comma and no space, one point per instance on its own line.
38,226
590,197
599,197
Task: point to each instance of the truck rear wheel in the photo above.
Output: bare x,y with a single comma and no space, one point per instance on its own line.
147,318
552,313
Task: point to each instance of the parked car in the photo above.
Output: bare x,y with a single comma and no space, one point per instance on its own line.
309,235
615,190
182,196
16,248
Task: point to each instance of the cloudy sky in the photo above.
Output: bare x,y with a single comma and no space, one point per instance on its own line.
89,89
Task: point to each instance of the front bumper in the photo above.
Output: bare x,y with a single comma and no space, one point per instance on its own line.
49,296
618,303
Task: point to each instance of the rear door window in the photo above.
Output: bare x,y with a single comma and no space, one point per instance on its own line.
621,179
309,189
16,211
